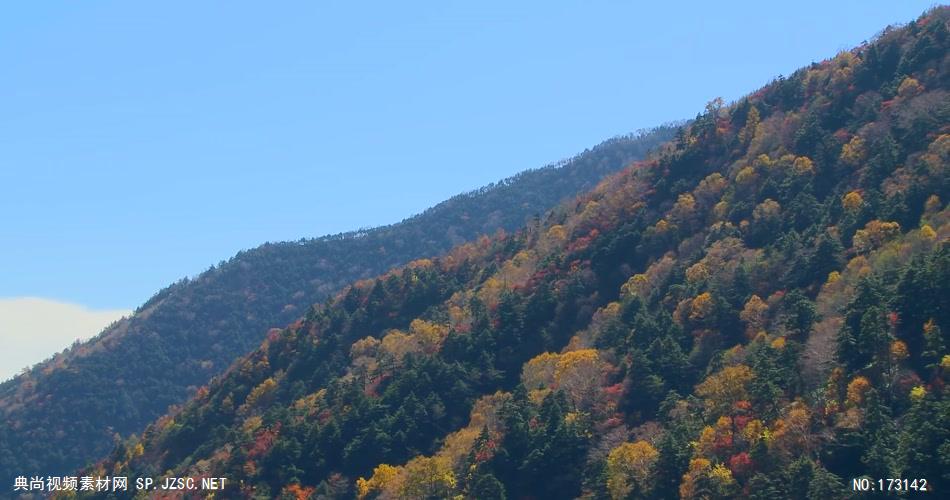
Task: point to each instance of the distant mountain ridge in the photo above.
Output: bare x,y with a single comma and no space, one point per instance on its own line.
176,341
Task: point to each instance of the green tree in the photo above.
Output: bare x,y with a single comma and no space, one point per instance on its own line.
925,440
864,335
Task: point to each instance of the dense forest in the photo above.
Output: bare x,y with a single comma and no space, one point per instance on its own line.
757,310
128,376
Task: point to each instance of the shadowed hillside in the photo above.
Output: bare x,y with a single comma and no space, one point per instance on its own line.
68,409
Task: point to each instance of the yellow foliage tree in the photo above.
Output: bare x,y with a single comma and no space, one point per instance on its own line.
852,201
251,425
701,307
899,351
875,234
490,292
754,314
854,152
630,466
366,346
767,210
909,88
706,442
724,388
697,272
722,481
580,373
538,372
843,70
710,188
746,176
754,431
933,204
792,435
398,344
685,207
429,335
803,166
857,390
385,478
698,468
557,233
751,122
720,210
420,264
260,393
635,285
428,477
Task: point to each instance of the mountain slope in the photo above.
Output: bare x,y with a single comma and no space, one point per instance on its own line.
758,310
194,329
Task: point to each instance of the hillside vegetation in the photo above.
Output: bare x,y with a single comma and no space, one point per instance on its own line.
67,411
758,310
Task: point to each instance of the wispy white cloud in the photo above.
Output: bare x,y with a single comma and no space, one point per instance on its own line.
32,329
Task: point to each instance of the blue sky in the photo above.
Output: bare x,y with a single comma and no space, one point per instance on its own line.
144,141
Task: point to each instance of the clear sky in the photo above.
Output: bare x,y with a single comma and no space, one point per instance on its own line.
144,141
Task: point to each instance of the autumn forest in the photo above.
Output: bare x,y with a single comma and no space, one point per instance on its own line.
751,304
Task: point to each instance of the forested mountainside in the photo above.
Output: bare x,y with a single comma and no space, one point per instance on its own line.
759,310
66,411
